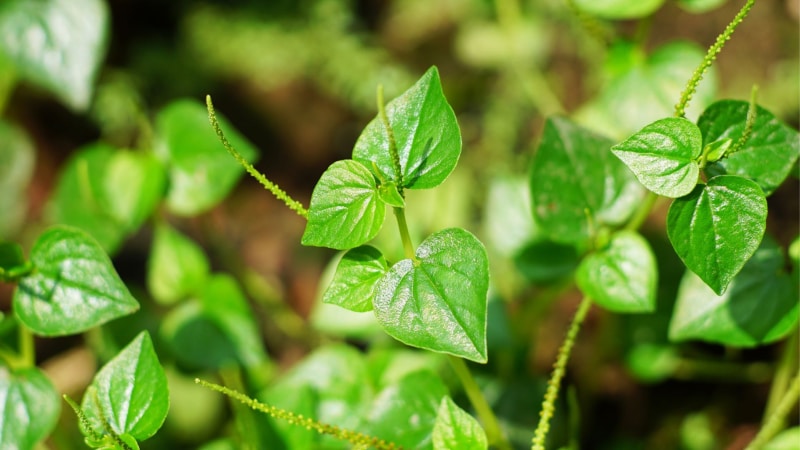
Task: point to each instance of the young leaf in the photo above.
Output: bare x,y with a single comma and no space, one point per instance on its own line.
717,227
574,175
663,156
346,209
56,44
358,272
759,307
455,428
438,301
29,407
131,391
426,133
621,277
201,172
177,266
74,287
768,155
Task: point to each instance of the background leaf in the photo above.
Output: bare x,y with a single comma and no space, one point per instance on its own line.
767,157
346,209
438,301
29,408
717,227
16,168
619,9
74,287
426,133
455,428
353,285
57,44
573,172
177,266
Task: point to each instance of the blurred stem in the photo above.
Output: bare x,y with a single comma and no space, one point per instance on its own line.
642,212
783,374
493,432
694,369
27,349
408,247
775,422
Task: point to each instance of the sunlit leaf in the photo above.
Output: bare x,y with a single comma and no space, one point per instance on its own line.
29,407
358,272
455,428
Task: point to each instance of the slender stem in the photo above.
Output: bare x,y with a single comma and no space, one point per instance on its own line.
559,369
775,422
27,349
783,374
643,211
408,247
493,432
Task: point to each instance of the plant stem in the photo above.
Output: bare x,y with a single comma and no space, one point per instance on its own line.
783,374
27,349
408,247
559,369
493,432
642,212
775,422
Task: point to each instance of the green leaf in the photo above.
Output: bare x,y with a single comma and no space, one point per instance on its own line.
652,363
546,261
300,401
134,184
621,277
438,300
785,440
74,287
390,195
13,264
358,272
130,391
29,408
455,428
426,133
201,172
663,156
177,267
16,168
717,227
405,413
196,341
700,6
767,157
574,175
759,307
56,44
346,209
619,9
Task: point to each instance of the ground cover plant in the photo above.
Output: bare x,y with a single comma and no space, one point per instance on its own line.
584,288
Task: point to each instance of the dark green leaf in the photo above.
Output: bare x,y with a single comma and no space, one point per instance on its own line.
619,9
13,264
130,391
29,408
196,341
438,301
353,286
759,307
767,157
455,428
546,261
574,175
74,287
16,168
622,276
717,227
663,156
56,44
201,171
177,267
426,133
346,209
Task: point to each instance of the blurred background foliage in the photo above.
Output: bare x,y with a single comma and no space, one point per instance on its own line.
298,79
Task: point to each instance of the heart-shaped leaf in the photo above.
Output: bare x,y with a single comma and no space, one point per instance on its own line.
353,285
768,155
621,277
29,407
663,156
438,300
426,133
455,428
717,227
130,391
74,287
346,209
177,267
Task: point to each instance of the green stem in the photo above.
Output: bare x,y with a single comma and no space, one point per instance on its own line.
559,369
27,349
493,432
783,374
775,422
642,212
408,247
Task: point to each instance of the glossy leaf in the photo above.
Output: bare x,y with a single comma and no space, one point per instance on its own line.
74,287
663,156
426,133
201,171
177,267
455,428
131,391
759,307
16,168
405,413
619,9
622,276
29,407
346,209
439,300
574,174
56,44
767,157
717,227
353,285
